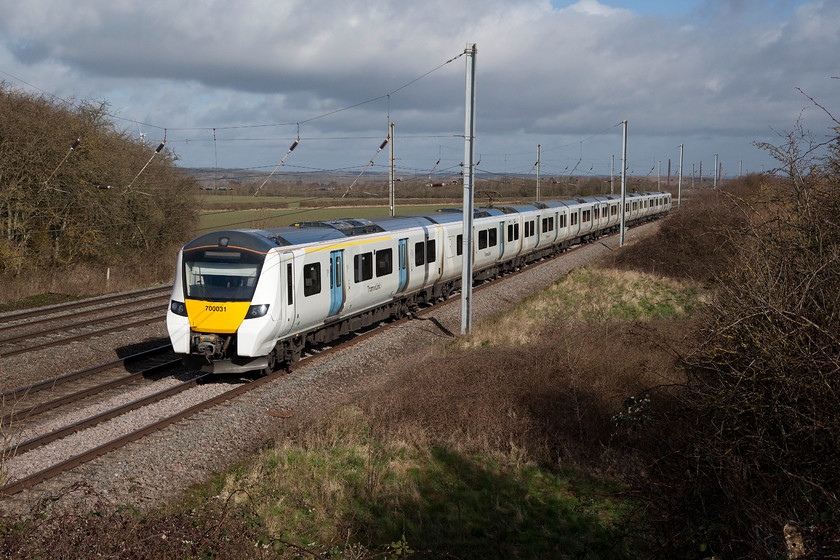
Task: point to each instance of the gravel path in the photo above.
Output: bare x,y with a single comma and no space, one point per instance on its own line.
150,471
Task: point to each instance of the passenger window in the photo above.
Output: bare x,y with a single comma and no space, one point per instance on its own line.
482,239
510,232
431,251
419,254
384,262
459,245
312,279
363,267
548,225
516,231
289,287
491,237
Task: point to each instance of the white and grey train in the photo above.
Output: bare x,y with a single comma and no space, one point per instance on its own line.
247,300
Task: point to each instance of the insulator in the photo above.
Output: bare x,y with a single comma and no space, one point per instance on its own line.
294,145
159,148
383,144
76,144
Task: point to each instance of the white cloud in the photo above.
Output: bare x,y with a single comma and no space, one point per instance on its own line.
595,8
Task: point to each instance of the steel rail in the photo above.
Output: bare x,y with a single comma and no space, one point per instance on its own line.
17,338
84,393
55,470
91,421
14,393
79,314
18,315
83,336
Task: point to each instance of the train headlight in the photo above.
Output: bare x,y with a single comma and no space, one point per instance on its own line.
257,311
178,308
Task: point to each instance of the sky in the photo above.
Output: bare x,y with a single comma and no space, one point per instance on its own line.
232,84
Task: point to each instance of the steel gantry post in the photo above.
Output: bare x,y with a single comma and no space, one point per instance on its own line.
623,181
469,180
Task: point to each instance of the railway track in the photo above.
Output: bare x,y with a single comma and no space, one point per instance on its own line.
21,483
33,330
26,405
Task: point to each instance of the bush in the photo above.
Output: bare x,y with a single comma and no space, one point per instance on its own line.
78,190
759,438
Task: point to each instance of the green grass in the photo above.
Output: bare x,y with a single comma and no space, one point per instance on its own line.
269,218
342,479
592,295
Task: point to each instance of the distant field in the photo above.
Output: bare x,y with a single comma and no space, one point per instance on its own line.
280,217
214,200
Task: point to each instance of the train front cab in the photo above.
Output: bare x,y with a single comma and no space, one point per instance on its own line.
224,301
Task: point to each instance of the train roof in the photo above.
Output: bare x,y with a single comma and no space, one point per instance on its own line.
253,240
517,209
263,240
393,223
489,212
446,216
542,205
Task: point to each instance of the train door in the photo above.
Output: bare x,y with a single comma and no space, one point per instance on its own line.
538,231
421,257
402,250
336,281
501,240
287,289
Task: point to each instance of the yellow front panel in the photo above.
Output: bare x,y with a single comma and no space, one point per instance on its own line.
216,317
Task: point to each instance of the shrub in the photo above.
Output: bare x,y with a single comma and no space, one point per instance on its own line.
759,438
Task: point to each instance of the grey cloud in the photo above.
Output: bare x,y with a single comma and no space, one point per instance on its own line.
729,69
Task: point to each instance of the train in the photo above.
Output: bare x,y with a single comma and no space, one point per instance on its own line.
253,299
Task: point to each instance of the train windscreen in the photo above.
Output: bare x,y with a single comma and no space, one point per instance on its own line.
213,275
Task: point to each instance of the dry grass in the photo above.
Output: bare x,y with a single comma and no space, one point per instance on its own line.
550,401
43,287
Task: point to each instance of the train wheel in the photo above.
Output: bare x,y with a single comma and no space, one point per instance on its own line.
294,358
292,353
272,363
